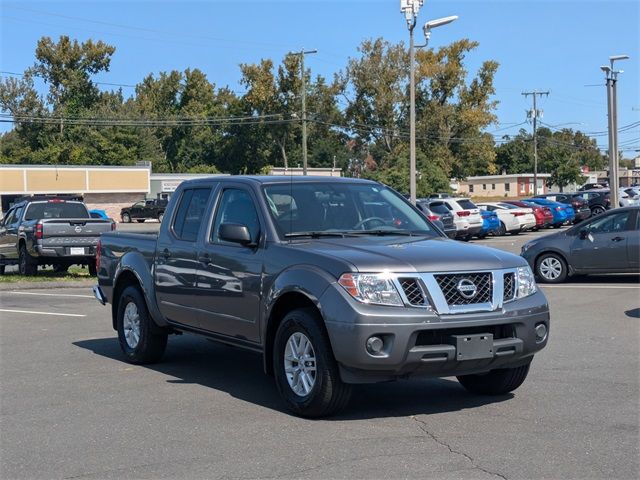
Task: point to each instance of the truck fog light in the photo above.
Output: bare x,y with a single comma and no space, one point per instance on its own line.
541,332
375,345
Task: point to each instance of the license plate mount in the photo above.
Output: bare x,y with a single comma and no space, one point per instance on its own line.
473,347
76,251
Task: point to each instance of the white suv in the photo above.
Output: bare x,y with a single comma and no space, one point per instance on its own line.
466,216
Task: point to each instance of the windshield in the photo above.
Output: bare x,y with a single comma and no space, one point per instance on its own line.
350,208
40,210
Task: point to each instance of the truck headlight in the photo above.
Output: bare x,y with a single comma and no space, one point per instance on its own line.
374,288
526,282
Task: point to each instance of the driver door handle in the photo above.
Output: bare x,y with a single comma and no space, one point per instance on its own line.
204,258
166,253
617,239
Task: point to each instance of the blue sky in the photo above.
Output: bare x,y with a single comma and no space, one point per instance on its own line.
542,44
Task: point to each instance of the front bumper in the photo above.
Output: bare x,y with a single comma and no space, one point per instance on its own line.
419,341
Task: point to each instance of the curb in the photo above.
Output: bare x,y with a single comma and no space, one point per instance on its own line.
4,287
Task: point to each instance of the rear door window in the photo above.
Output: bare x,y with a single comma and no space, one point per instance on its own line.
190,213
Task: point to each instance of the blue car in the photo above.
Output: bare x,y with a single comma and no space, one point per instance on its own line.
97,213
562,213
490,223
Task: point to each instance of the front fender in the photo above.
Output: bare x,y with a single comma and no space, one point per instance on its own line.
138,265
307,280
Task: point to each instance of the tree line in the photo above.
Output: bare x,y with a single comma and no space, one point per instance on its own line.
358,121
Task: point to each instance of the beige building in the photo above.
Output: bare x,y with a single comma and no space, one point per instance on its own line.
105,188
510,186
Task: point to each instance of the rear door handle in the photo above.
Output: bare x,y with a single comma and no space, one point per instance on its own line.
617,239
166,253
204,258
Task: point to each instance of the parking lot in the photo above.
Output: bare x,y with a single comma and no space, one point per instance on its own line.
72,408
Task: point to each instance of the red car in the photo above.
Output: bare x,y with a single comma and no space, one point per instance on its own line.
544,216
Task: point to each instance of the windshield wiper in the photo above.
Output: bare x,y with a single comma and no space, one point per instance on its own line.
382,232
317,234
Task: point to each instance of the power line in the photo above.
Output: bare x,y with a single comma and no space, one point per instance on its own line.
535,113
16,74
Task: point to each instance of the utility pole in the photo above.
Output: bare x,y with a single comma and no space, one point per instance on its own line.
612,110
535,113
302,53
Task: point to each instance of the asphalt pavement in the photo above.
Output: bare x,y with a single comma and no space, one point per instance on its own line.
72,408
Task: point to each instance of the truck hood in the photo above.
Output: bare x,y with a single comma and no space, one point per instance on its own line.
411,254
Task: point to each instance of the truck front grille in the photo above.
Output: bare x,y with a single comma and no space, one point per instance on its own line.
509,286
455,288
412,290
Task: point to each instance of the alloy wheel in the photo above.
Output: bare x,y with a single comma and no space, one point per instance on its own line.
300,364
550,268
131,325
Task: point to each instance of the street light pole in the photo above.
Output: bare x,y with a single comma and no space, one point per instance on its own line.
612,110
302,53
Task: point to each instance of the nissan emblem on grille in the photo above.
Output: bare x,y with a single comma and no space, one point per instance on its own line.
467,288
78,229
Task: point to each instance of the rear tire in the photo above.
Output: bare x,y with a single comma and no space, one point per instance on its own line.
551,268
60,268
496,382
2,267
138,340
502,230
27,265
93,270
323,393
597,210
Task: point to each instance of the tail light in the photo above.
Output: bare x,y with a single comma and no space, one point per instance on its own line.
98,249
464,213
433,217
39,231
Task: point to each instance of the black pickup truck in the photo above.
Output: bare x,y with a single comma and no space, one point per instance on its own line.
334,281
49,231
144,210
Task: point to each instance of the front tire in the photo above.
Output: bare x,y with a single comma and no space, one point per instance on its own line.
126,218
597,210
551,268
502,230
27,265
496,382
306,372
136,335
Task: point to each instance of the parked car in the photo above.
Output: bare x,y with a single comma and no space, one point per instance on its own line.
49,231
466,216
334,281
438,213
440,195
580,205
98,213
607,243
543,214
598,201
490,223
593,186
513,219
628,197
562,213
144,210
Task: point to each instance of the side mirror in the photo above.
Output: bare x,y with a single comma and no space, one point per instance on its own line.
584,233
236,233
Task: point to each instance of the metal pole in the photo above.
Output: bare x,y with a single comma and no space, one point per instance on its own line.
412,117
613,140
304,118
535,146
610,126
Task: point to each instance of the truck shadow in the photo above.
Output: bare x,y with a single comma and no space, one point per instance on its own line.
193,360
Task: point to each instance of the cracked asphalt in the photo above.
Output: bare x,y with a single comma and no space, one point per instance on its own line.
70,407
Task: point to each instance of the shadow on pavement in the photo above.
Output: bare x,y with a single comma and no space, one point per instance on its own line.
633,313
193,360
623,278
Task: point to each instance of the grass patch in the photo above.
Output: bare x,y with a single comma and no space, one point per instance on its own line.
47,274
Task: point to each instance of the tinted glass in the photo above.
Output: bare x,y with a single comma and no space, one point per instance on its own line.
507,206
190,212
466,204
10,218
45,210
342,207
611,223
440,208
236,206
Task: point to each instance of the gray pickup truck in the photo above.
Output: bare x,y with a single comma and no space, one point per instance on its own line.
49,231
334,281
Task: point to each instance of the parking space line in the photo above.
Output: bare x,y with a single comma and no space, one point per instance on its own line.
50,294
42,313
599,287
